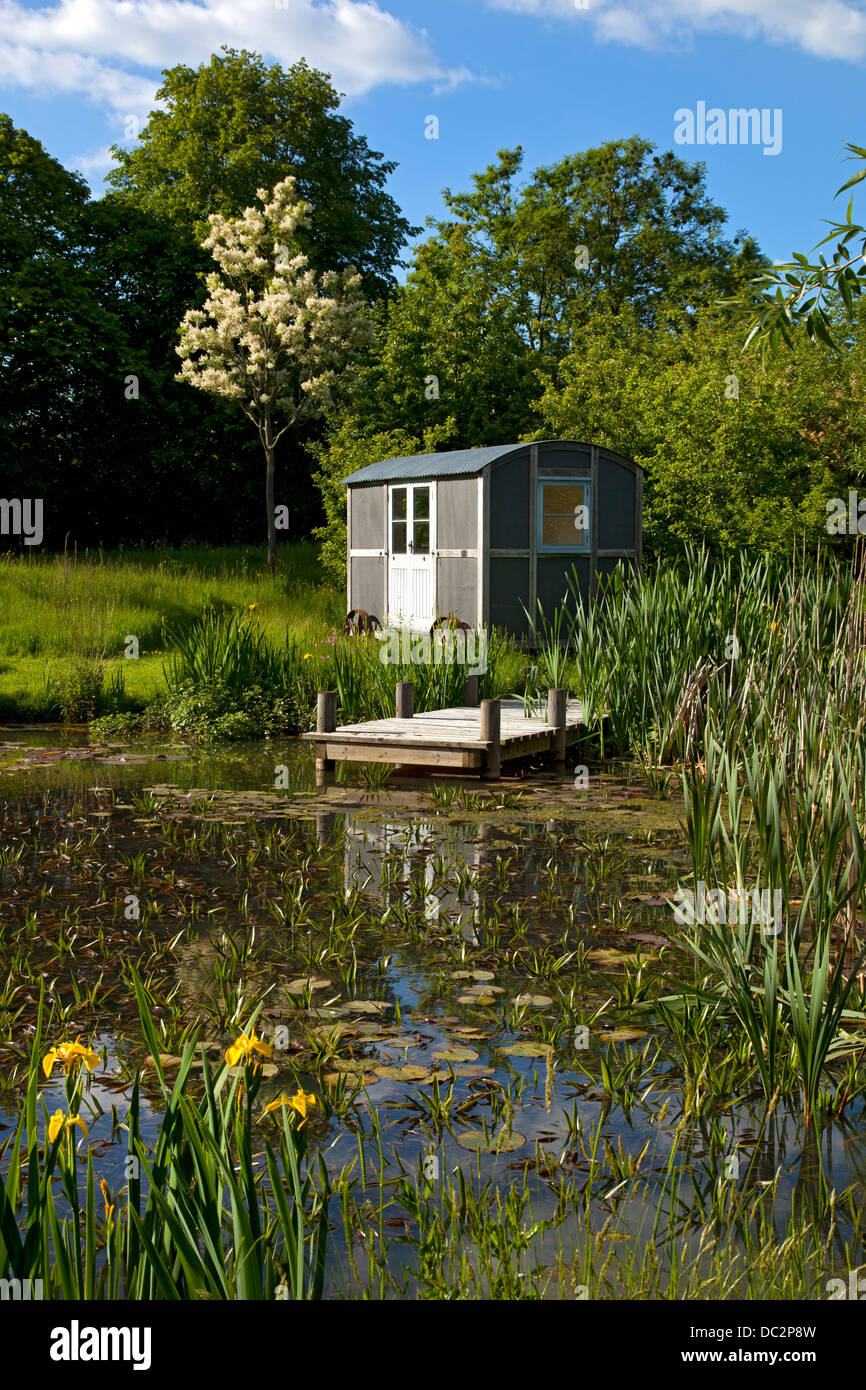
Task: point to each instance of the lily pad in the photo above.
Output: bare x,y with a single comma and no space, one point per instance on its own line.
619,958
537,1001
456,1054
307,982
526,1049
504,1143
406,1073
622,1034
332,1078
476,999
366,1006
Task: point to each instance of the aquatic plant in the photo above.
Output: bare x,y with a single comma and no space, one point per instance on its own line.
214,1224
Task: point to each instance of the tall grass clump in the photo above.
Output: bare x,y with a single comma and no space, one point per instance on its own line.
771,743
365,675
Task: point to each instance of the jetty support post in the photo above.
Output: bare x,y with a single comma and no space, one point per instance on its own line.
490,725
471,695
326,723
405,700
556,708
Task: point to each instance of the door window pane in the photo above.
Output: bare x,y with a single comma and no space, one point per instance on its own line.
421,503
398,537
422,537
398,504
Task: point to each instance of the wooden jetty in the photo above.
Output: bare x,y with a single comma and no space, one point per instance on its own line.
470,737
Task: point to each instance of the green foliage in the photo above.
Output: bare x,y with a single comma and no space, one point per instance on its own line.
812,294
651,234
215,1223
736,455
56,336
234,125
653,643
494,296
226,680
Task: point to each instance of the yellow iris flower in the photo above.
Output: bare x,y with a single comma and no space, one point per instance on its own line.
71,1055
60,1121
245,1047
302,1101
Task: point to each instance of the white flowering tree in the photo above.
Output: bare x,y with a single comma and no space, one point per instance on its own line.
272,335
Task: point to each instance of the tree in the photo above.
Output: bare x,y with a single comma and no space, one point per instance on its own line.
605,227
58,343
272,335
498,295
234,125
447,355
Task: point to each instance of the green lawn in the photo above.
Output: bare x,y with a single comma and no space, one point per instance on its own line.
54,611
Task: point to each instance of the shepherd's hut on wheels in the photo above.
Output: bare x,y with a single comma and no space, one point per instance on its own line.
483,535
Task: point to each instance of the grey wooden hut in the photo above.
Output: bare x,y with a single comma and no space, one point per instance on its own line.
482,533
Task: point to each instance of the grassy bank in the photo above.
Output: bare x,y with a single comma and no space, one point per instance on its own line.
62,614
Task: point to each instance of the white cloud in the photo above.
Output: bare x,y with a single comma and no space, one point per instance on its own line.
825,28
89,46
97,163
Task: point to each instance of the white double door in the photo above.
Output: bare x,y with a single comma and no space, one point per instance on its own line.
411,560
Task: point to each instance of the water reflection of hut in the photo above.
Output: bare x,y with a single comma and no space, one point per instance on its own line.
426,864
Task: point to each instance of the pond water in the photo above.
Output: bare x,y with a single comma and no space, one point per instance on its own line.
463,969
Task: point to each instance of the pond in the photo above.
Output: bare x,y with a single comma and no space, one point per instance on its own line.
474,982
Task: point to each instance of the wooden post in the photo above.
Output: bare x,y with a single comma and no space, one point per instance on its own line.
471,696
490,722
326,723
556,706
405,699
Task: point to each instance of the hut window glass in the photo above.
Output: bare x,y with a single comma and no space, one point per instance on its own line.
398,521
563,514
421,518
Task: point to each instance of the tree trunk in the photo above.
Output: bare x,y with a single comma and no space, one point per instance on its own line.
269,501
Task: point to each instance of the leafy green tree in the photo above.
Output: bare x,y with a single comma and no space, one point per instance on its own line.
58,342
605,227
234,125
496,294
447,355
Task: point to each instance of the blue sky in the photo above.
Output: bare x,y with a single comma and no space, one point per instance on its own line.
546,74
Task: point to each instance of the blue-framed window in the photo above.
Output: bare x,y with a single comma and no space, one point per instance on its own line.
563,514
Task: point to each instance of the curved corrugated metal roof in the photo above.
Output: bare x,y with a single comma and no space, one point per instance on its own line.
457,461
